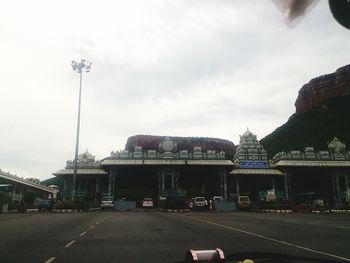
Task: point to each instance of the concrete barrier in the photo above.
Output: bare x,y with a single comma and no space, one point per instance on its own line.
124,205
225,206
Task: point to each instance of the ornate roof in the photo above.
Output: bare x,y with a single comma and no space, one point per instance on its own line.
86,157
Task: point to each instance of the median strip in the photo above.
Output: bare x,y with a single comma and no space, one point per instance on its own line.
343,227
70,243
270,239
50,260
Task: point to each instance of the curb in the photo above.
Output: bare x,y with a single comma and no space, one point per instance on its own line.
339,211
74,210
281,211
174,210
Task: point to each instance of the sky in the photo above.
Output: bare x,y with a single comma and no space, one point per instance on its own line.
205,68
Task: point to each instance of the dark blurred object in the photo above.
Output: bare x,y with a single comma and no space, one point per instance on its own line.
294,10
46,205
341,11
215,255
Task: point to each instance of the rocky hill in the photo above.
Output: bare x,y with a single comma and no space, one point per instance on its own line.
323,88
315,128
152,142
322,113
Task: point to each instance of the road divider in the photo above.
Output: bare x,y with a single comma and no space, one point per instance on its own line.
174,210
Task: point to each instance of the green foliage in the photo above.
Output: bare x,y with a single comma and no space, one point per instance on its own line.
53,180
98,196
29,197
34,180
315,128
78,204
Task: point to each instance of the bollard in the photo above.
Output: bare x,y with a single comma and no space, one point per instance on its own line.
214,256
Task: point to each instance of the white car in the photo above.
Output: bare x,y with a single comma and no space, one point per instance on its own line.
147,203
107,203
200,202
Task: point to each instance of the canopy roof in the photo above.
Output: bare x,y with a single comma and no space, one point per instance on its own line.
301,163
256,171
80,171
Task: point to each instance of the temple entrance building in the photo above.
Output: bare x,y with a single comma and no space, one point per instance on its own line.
175,168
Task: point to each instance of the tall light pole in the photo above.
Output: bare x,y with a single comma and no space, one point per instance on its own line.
79,67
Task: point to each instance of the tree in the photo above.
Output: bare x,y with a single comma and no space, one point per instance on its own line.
29,197
34,180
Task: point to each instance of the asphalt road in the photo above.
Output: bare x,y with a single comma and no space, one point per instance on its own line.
150,236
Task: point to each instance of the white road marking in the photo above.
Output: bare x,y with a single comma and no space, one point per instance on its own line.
91,227
83,233
50,260
343,227
314,224
97,223
70,243
270,239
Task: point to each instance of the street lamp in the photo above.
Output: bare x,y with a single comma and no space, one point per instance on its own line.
79,67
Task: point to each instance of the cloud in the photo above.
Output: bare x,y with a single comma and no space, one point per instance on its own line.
186,68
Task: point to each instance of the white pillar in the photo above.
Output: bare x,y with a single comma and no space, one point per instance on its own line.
334,187
225,184
237,185
221,185
172,180
110,182
97,184
79,183
176,181
286,190
337,188
163,181
273,183
13,192
20,194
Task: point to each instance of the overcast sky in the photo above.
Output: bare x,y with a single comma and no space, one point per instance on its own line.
166,67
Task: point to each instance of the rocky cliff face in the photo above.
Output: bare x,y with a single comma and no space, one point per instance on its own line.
151,142
323,88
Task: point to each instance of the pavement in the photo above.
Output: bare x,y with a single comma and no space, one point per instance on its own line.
151,236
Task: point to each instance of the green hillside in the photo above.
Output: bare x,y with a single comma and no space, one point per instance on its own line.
53,180
314,128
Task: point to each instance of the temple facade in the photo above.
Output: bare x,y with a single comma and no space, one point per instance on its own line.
169,171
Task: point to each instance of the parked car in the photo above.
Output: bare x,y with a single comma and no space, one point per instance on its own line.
107,203
200,202
243,202
217,199
46,205
147,203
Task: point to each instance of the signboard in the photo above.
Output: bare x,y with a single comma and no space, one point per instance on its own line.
173,193
253,164
262,195
271,195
